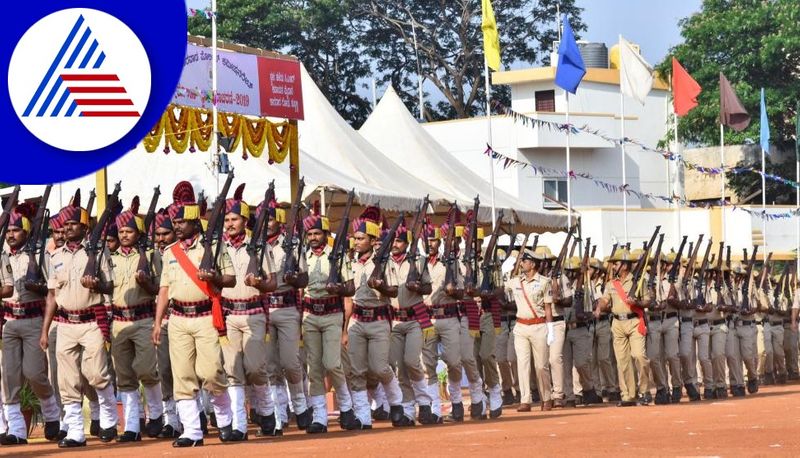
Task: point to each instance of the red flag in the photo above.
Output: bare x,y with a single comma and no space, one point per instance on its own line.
684,89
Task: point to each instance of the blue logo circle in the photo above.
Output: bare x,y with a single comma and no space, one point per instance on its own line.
86,81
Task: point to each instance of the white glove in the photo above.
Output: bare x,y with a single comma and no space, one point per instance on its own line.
551,333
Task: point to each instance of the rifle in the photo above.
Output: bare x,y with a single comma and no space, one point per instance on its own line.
414,275
676,264
213,231
520,251
146,240
37,240
594,249
293,242
746,282
471,248
764,284
96,243
638,270
572,249
719,279
700,284
90,204
776,294
689,272
578,294
382,255
728,280
6,216
651,280
255,249
555,272
490,261
449,250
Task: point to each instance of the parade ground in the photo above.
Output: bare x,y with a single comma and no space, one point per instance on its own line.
758,425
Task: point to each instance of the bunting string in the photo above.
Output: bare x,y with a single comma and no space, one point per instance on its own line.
666,154
206,13
616,188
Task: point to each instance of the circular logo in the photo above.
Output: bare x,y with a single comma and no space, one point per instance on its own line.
86,81
79,79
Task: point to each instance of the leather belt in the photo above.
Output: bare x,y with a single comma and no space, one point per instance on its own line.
134,312
700,322
27,310
687,319
191,309
744,322
558,318
250,306
403,315
370,314
321,307
444,311
717,322
624,317
531,321
281,300
670,315
655,317
776,323
76,316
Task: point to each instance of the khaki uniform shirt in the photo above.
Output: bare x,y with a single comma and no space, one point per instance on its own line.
277,256
366,296
181,286
240,259
126,291
618,305
531,295
13,268
319,269
438,273
399,273
65,278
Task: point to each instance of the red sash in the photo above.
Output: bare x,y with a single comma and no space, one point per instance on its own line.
213,293
634,308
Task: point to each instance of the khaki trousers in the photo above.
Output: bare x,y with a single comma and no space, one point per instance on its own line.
195,353
467,349
747,335
701,339
556,355
778,355
530,342
244,354
164,365
688,353
603,360
80,351
629,348
506,356
718,338
368,346
283,346
134,355
448,333
764,346
733,355
578,353
405,353
484,351
663,351
790,348
23,360
322,339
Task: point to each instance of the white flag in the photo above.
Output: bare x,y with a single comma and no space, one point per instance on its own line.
635,74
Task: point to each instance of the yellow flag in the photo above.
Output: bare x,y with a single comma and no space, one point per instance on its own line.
491,40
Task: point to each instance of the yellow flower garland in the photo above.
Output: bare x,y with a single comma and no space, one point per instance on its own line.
185,128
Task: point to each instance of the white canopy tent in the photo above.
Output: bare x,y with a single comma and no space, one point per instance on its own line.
398,136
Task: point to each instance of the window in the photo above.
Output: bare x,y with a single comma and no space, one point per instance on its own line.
546,101
555,189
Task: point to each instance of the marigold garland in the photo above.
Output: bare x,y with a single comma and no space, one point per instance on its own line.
189,128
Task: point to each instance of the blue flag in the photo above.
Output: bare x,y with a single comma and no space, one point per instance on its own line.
764,124
571,69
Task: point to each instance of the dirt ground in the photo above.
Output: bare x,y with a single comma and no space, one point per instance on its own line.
763,424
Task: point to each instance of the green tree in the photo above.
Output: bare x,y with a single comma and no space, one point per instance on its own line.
748,183
450,45
755,43
321,33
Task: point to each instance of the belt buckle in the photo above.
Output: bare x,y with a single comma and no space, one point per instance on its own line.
190,310
275,300
18,311
74,317
318,308
367,313
402,313
438,311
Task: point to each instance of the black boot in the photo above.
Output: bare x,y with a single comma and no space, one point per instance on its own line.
752,386
403,422
268,426
721,393
94,428
238,436
396,414
168,432
477,411
645,399
254,417
677,394
614,396
154,426
212,420
186,442
226,433
692,392
10,439
108,434
129,436
69,443
508,398
769,379
457,412
142,424
380,414
304,419
591,397
203,425
535,398
426,416
347,420
708,393
316,428
662,397
51,430
738,391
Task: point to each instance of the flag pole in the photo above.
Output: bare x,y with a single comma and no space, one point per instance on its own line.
569,169
722,173
622,151
489,132
678,173
764,198
214,121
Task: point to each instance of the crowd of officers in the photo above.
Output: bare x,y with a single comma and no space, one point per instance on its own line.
154,340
